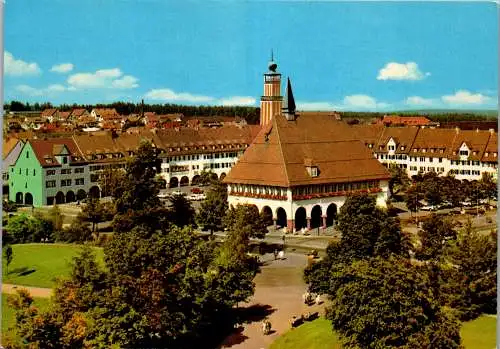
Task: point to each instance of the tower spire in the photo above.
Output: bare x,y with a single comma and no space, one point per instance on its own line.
288,108
272,55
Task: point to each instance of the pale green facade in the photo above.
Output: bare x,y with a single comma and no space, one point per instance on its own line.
25,178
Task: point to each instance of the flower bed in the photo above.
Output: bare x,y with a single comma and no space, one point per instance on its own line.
337,193
259,196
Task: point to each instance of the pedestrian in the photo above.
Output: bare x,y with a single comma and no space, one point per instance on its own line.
281,254
275,254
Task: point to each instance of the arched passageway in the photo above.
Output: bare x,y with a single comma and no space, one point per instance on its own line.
94,192
184,181
19,198
281,218
195,180
316,220
300,218
70,196
267,214
174,182
81,194
331,214
28,199
60,198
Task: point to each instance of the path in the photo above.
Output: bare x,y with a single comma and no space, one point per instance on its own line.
37,292
278,294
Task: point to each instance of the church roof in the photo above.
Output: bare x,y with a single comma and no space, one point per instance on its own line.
280,152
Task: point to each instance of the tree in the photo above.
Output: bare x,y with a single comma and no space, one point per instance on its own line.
109,181
432,188
213,208
488,186
413,196
434,235
471,286
77,232
181,211
387,303
246,217
19,229
399,181
136,201
206,177
56,217
366,231
452,191
8,255
93,211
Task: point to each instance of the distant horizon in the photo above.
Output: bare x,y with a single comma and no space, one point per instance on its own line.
345,56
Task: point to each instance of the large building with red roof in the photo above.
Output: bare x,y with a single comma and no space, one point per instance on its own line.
301,166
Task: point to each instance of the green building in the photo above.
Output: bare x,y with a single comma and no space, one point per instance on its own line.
49,171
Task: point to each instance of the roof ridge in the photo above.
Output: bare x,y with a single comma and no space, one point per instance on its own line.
77,146
281,148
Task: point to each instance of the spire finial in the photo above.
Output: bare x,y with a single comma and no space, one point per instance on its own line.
272,55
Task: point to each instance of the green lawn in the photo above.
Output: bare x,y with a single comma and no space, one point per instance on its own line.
39,264
8,316
318,334
479,333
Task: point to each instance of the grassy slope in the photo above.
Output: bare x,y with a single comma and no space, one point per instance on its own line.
8,316
39,264
477,334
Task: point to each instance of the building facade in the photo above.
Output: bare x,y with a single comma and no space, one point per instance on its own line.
302,166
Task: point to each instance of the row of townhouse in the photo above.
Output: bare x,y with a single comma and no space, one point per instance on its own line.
60,170
466,154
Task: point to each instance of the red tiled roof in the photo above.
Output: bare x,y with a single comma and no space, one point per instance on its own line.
277,155
44,150
49,112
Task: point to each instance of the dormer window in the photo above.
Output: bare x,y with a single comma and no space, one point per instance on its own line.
424,150
486,154
474,153
495,155
313,171
464,152
370,146
402,147
441,151
65,159
415,150
432,150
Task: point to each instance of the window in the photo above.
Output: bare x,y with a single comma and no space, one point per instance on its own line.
27,155
20,171
65,182
34,172
66,171
431,159
79,170
79,181
50,184
440,159
464,152
26,172
51,172
422,159
65,159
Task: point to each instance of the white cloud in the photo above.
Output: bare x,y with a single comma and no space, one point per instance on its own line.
401,71
237,100
62,68
103,78
126,81
37,92
17,67
462,97
363,102
165,94
417,100
317,106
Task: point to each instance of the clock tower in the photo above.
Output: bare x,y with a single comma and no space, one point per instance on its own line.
270,102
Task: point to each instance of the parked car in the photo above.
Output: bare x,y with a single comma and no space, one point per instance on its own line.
196,191
429,208
177,192
163,195
466,203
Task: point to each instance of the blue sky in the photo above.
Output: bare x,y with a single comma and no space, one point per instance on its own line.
338,55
